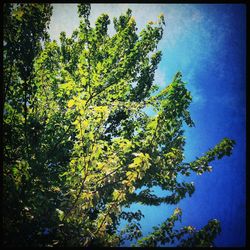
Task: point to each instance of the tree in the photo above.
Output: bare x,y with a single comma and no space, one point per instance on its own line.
78,143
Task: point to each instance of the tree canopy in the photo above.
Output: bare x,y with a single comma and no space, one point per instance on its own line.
78,143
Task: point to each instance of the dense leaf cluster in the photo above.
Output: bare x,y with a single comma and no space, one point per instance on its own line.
78,144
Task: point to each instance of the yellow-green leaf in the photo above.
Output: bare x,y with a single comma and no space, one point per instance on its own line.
71,103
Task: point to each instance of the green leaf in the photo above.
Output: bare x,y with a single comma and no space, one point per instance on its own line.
60,214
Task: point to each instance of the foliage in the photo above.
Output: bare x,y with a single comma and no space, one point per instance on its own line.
78,144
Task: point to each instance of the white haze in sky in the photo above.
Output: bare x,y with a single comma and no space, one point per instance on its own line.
181,21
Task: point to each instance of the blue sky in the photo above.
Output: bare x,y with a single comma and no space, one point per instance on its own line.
207,43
